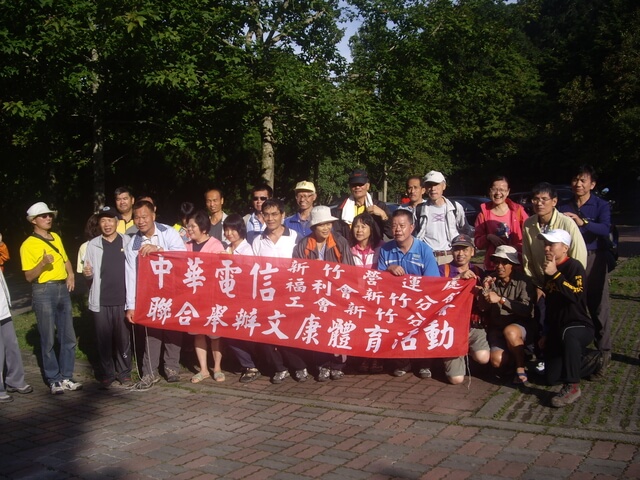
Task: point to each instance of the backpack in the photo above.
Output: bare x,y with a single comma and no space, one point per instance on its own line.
611,244
419,210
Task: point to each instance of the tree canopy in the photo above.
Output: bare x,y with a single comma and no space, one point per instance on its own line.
175,97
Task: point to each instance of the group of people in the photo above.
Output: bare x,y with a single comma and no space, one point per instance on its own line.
530,289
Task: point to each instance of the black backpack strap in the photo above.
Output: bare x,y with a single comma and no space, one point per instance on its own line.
48,242
419,210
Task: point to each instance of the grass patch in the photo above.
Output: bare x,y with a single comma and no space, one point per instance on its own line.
628,268
625,280
29,339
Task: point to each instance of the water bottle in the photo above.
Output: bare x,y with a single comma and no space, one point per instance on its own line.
506,231
503,231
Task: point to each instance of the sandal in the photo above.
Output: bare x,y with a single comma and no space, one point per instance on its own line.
198,377
520,378
218,376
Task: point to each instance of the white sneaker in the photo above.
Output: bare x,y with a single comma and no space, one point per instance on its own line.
56,388
69,384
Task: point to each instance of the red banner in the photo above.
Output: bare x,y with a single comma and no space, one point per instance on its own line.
309,304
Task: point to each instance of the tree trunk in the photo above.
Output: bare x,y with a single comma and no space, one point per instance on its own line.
98,165
268,154
98,144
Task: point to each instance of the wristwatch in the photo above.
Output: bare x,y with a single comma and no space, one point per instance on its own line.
502,300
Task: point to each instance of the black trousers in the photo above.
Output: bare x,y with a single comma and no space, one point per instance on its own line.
563,354
113,334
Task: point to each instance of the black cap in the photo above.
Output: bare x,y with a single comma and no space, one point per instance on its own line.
462,240
359,176
107,212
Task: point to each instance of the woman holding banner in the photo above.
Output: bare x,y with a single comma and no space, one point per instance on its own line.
235,231
365,248
198,225
323,244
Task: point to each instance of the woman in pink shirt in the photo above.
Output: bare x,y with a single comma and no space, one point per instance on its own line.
365,248
198,225
499,222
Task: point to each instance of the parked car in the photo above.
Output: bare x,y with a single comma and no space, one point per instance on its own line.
471,205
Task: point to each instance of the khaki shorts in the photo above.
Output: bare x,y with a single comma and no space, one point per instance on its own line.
498,342
456,367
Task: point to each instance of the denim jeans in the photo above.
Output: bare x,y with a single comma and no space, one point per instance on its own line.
52,306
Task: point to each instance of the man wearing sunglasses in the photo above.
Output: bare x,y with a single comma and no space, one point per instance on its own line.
360,201
255,222
47,267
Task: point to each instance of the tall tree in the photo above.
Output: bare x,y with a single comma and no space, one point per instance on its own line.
588,59
277,42
446,81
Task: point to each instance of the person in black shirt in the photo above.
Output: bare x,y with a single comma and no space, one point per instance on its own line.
568,329
104,268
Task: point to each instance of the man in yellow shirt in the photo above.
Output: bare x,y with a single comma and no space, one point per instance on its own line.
47,267
124,204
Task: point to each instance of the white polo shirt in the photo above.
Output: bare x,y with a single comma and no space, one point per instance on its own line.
283,248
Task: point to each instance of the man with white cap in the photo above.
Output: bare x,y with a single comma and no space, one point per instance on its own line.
104,268
47,267
439,220
568,329
507,299
305,197
544,198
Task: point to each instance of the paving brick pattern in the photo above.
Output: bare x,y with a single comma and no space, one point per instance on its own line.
258,431
607,405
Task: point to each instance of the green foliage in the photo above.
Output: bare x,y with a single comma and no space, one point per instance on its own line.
588,61
170,96
443,83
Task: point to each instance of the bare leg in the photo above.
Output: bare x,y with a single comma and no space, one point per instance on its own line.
515,343
200,344
217,355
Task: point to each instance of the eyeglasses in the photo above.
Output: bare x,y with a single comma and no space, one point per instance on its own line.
541,200
262,199
498,190
355,185
46,215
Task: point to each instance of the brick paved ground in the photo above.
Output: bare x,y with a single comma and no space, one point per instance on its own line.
222,431
363,426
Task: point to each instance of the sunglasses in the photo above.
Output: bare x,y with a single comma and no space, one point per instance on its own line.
255,199
46,215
